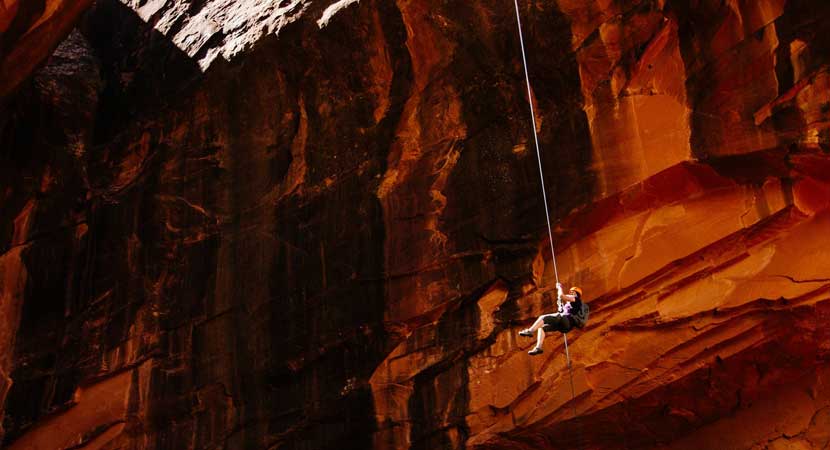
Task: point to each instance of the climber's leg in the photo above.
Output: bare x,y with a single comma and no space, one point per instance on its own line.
536,325
540,338
555,322
552,322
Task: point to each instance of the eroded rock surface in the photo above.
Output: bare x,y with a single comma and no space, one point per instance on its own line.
319,225
29,32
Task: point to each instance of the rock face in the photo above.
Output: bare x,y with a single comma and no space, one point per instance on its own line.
303,225
29,31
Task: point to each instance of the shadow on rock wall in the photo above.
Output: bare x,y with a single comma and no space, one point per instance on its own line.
206,292
56,232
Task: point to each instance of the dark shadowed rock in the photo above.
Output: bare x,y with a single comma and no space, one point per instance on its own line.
305,225
29,32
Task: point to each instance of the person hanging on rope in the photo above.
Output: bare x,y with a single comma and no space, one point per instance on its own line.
571,313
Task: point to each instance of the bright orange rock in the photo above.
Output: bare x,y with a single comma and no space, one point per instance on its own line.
811,196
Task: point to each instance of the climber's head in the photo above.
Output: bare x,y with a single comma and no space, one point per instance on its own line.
576,292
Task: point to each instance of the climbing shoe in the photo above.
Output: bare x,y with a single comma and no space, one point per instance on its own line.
535,351
527,333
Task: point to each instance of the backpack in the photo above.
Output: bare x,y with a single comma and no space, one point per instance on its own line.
580,317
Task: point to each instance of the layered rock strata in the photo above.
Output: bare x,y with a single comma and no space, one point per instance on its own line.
304,226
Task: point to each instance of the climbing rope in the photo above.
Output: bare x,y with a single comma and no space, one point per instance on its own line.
536,140
544,193
568,356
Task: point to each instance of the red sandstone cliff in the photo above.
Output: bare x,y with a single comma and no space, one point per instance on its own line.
305,225
29,32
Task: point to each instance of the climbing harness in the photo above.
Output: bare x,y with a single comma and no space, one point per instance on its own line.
544,193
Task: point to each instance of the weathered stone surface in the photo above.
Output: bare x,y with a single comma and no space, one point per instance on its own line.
29,32
306,225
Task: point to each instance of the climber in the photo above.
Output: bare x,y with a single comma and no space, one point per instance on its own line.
572,313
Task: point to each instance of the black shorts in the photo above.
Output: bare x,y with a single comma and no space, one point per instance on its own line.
555,322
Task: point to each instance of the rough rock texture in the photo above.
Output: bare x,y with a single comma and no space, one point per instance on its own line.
29,32
330,236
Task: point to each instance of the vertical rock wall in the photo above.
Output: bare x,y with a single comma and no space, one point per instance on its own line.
307,226
29,32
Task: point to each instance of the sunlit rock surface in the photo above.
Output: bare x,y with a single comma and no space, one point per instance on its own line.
301,225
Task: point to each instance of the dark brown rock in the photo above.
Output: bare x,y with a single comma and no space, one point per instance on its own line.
29,32
305,225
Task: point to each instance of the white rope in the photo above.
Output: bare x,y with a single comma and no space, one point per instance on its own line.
544,196
536,141
570,372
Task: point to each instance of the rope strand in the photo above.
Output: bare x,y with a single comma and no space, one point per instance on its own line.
536,141
570,372
545,199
